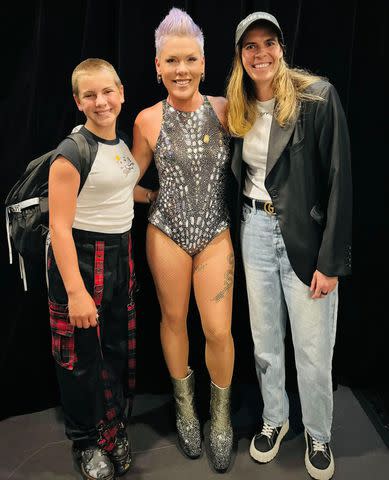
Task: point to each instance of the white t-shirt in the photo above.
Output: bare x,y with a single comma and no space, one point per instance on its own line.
255,149
106,201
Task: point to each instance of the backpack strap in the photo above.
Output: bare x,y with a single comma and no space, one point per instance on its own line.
86,155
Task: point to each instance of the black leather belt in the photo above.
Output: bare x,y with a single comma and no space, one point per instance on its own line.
267,207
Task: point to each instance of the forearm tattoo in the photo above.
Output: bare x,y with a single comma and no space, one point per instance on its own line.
228,279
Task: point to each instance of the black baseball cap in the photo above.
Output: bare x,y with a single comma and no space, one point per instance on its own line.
255,17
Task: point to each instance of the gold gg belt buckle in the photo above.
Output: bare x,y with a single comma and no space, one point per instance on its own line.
269,208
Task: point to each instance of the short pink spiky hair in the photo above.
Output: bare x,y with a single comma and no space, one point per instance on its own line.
177,22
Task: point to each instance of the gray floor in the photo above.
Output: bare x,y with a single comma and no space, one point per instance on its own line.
34,447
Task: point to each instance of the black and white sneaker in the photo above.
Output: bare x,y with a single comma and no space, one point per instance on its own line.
265,444
319,460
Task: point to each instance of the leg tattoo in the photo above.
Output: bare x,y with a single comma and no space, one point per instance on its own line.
199,268
228,279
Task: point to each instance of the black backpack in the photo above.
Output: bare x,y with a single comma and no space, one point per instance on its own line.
26,205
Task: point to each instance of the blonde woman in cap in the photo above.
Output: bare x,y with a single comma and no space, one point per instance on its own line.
188,239
292,165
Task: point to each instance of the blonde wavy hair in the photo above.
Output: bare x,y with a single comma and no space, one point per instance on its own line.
289,88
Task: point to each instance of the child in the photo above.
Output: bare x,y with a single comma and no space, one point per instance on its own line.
91,277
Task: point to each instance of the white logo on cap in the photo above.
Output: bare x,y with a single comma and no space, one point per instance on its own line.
262,16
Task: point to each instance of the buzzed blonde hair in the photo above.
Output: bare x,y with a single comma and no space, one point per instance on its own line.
92,65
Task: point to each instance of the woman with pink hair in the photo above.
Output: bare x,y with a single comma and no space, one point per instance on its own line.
188,238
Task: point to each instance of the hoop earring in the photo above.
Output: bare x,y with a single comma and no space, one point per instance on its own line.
203,77
159,78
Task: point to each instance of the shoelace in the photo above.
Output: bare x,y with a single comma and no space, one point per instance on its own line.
267,430
318,446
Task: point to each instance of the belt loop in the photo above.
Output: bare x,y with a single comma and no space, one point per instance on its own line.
253,203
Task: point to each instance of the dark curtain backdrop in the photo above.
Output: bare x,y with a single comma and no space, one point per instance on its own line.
44,40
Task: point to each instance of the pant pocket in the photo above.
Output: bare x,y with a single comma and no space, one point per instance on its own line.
62,336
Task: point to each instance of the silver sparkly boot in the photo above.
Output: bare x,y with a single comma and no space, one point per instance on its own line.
221,434
187,422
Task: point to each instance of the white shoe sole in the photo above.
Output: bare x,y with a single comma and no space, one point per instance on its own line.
265,457
316,473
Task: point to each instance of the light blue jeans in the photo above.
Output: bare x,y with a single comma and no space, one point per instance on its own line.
274,291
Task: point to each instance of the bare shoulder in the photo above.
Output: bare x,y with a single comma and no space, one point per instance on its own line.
219,104
149,115
147,125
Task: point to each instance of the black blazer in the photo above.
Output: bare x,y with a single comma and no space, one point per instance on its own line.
308,177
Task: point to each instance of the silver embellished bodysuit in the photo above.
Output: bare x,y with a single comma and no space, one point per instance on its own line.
192,157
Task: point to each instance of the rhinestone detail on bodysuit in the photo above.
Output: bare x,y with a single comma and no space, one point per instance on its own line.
191,156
